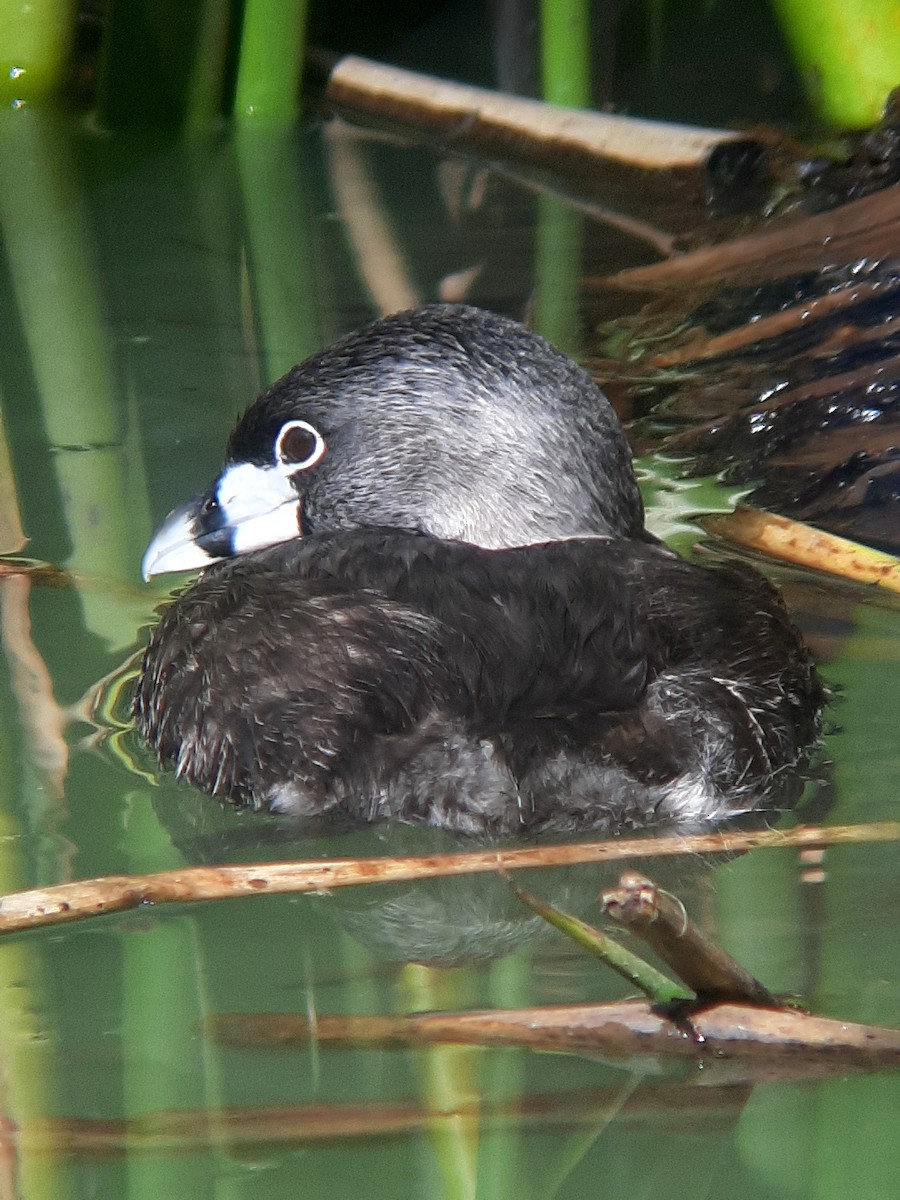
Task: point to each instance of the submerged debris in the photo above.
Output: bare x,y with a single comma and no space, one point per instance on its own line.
775,360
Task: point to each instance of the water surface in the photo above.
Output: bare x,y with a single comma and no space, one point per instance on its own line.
149,291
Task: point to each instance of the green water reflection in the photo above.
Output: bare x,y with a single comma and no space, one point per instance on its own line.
148,291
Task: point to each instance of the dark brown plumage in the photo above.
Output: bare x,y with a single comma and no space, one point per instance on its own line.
578,680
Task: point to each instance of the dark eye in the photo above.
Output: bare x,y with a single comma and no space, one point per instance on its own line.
299,446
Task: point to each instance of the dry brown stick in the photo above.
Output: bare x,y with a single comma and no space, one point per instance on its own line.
702,346
659,919
119,893
862,228
797,542
768,1041
496,122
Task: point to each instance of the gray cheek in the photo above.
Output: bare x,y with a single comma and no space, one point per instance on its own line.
350,497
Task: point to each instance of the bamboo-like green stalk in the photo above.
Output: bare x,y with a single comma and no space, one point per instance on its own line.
449,1082
59,303
12,535
848,52
35,41
566,52
656,19
501,1147
282,279
207,77
271,56
163,1057
28,1048
557,269
29,1057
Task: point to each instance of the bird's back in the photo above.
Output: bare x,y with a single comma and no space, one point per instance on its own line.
569,685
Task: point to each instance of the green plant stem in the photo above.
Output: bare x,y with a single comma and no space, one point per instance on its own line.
207,77
656,986
501,1147
848,52
557,269
163,1058
448,1081
272,44
566,52
280,257
12,535
29,1041
47,244
35,40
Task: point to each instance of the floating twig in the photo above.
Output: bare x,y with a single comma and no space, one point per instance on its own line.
752,1042
799,543
118,893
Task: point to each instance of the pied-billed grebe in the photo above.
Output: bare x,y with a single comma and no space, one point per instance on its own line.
428,594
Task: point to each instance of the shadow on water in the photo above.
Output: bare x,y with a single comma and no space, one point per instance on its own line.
149,290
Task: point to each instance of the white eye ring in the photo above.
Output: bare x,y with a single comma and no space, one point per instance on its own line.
309,439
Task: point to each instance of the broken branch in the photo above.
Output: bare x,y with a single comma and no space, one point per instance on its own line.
660,920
